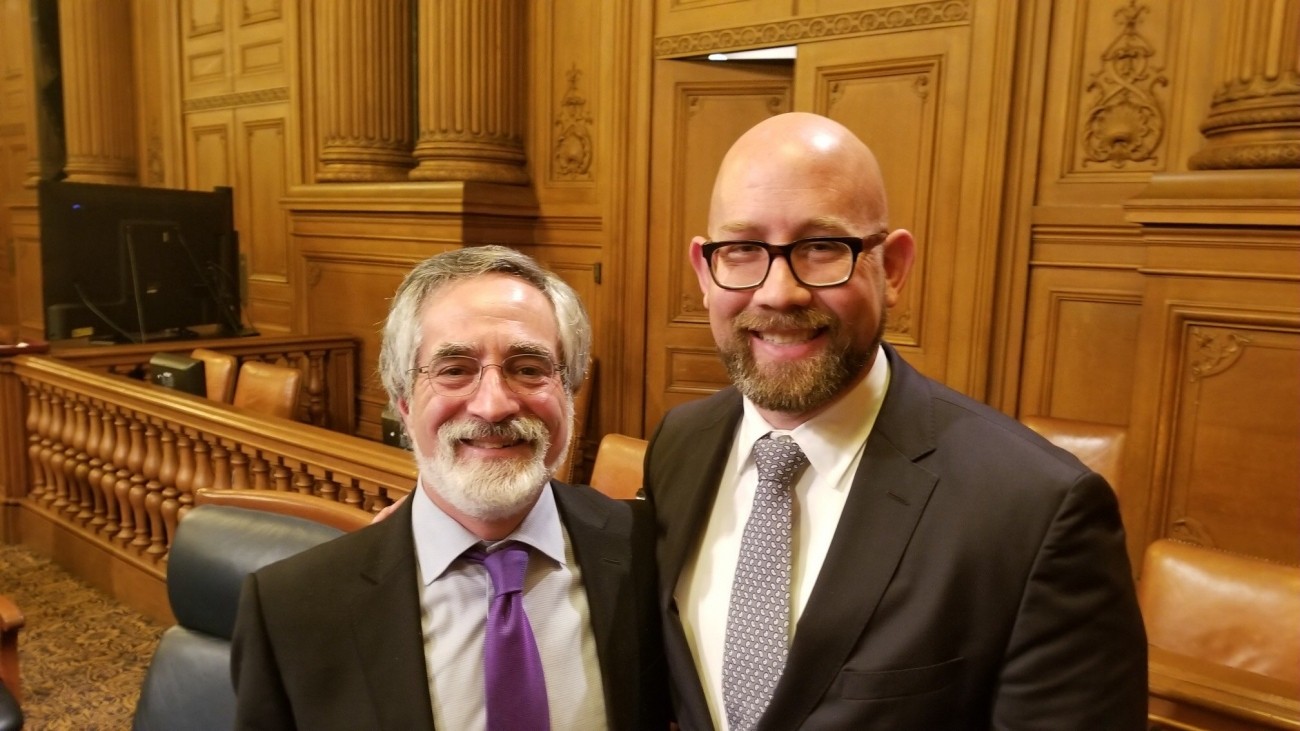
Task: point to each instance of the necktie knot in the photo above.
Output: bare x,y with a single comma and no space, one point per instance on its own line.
506,566
777,460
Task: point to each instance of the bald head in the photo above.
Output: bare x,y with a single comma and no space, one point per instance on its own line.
801,150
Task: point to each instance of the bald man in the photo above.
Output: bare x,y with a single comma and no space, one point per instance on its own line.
845,543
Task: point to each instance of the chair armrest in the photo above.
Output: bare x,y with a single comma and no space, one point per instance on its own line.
344,517
1189,693
11,617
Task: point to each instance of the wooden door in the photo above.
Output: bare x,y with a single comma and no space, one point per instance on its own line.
700,109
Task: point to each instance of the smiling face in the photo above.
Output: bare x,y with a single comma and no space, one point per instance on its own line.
792,349
485,457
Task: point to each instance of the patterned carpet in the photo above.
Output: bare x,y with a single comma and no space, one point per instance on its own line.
83,655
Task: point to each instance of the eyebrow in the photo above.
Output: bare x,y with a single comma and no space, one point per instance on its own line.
522,347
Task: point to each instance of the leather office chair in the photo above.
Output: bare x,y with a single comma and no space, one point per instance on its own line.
1099,446
268,389
217,544
11,688
219,372
619,468
1224,638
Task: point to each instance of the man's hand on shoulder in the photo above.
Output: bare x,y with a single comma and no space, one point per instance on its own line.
383,514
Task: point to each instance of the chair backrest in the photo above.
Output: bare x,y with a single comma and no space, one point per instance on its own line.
219,372
188,681
1099,446
618,470
1222,608
268,389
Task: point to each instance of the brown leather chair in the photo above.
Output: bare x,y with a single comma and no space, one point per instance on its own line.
268,389
219,373
1099,446
618,470
11,686
1224,638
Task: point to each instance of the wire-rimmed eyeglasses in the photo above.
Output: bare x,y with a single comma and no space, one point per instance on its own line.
458,376
818,261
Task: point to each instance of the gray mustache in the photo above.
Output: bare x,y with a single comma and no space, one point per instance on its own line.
522,428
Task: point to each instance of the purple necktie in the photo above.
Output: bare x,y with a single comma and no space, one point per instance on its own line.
514,685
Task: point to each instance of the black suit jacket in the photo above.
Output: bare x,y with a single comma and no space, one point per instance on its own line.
977,578
330,638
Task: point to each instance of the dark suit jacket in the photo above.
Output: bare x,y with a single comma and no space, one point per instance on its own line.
330,638
977,578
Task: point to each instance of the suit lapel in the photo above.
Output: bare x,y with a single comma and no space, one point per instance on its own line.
391,652
604,556
888,496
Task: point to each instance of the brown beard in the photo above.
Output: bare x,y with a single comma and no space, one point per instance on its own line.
800,386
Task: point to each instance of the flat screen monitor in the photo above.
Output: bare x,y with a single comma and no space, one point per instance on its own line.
179,372
134,264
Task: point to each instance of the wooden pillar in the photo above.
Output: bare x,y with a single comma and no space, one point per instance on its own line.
98,90
471,87
1254,120
363,87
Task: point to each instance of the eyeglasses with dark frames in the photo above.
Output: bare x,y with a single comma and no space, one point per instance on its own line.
459,376
817,261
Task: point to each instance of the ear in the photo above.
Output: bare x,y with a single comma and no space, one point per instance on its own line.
404,408
897,254
701,267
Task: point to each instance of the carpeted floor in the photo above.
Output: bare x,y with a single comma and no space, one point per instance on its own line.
83,655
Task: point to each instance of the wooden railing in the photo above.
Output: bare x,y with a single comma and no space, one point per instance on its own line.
328,363
117,461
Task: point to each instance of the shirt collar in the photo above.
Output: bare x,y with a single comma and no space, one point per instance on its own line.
440,540
833,438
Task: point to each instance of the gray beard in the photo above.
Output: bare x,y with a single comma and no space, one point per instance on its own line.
800,386
488,489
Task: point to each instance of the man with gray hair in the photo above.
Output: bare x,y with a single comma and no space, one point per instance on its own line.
504,599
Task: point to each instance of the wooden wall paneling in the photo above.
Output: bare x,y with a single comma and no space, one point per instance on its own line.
685,27
26,231
1225,470
262,161
1214,429
16,141
917,76
1011,296
206,68
209,149
699,110
1078,319
1129,83
262,44
160,138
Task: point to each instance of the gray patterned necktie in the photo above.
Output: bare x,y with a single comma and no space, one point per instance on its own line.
758,620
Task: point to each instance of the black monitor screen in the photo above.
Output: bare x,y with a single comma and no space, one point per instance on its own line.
135,264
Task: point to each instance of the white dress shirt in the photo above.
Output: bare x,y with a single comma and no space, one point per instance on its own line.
833,442
454,598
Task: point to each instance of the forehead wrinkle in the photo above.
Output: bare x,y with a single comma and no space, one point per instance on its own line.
822,225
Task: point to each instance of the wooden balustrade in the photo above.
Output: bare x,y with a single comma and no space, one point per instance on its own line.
115,462
328,364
